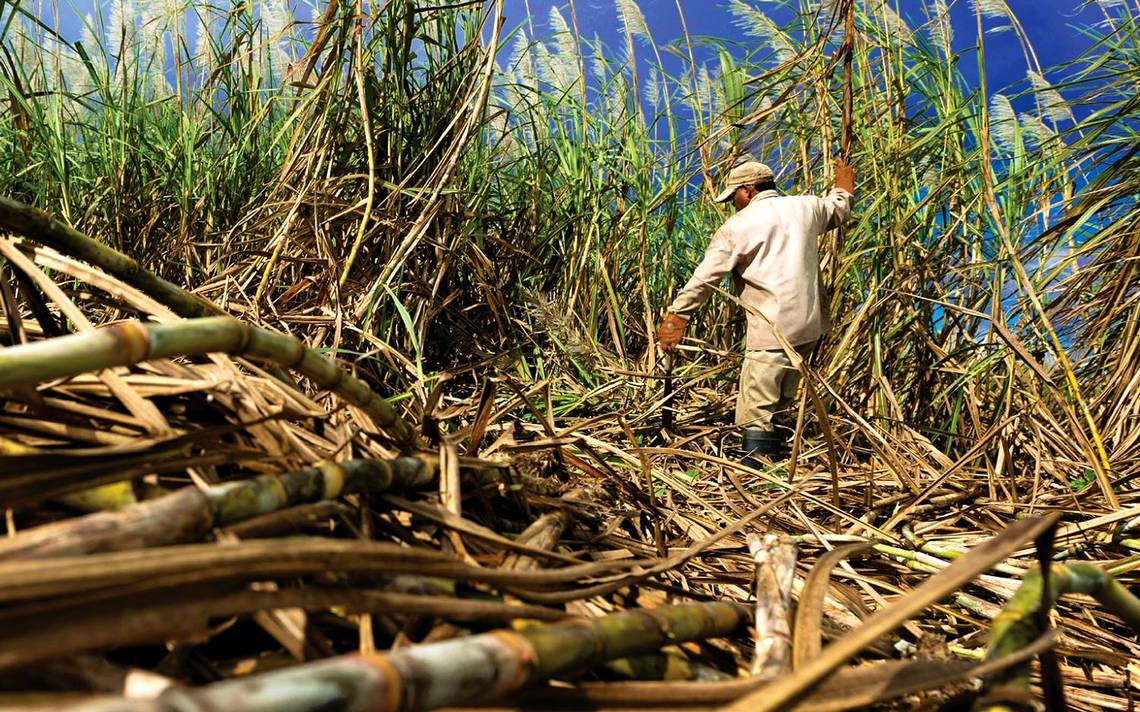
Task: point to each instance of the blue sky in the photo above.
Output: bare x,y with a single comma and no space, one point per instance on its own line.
1052,26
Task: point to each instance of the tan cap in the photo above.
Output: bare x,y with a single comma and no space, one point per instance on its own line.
748,173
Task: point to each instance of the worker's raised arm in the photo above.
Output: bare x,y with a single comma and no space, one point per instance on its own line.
839,200
718,262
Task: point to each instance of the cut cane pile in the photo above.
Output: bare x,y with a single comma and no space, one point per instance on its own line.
245,522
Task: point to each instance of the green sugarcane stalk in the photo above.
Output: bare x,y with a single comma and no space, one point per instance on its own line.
463,670
188,514
1017,624
939,554
130,342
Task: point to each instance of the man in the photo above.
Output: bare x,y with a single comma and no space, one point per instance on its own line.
770,246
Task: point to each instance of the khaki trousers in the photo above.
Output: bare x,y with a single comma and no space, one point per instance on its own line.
768,385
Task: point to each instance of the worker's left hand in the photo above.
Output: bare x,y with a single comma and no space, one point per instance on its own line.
671,331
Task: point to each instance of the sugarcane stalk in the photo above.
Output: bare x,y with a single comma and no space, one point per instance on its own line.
544,533
911,559
188,514
775,559
286,520
1017,624
131,342
667,401
179,517
847,130
939,554
459,671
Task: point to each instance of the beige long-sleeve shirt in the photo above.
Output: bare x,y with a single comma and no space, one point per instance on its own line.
771,247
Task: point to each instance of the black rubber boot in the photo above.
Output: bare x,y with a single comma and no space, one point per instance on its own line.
765,443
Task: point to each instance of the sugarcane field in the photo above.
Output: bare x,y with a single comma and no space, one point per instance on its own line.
735,355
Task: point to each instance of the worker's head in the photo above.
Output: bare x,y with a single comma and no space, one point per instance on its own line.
745,182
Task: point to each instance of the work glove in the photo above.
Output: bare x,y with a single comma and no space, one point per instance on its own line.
844,176
671,331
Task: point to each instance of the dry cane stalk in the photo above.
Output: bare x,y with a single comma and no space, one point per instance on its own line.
188,514
775,559
544,533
